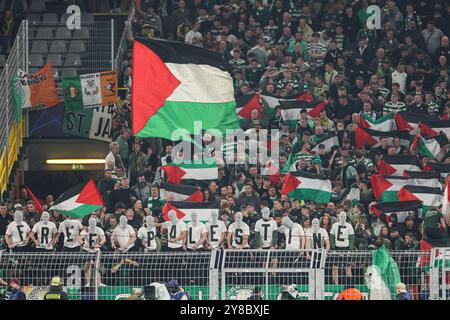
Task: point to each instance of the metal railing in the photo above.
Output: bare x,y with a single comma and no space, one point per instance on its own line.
11,132
231,274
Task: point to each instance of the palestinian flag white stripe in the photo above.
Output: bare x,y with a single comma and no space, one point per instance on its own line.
307,186
206,173
329,142
218,91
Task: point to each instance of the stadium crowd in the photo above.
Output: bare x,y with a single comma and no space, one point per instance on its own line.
282,49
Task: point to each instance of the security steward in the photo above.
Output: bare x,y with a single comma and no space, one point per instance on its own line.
56,292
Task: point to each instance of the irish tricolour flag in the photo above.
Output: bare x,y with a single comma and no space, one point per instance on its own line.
207,170
184,210
79,201
176,85
307,186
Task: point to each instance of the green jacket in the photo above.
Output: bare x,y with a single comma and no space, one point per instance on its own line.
136,164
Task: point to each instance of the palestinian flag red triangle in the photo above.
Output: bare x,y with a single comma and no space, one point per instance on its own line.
314,113
379,185
290,183
247,104
90,195
385,168
151,70
174,173
427,131
167,207
362,137
402,124
306,96
405,195
362,122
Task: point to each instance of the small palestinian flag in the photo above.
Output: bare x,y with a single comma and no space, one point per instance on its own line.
179,192
410,121
290,110
430,148
395,165
386,188
328,141
353,194
79,201
385,123
184,210
372,137
176,85
402,209
307,186
270,102
422,174
433,128
191,171
430,197
246,103
442,168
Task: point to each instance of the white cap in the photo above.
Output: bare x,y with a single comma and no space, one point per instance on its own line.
17,205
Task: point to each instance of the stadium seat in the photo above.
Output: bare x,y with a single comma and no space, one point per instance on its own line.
36,60
69,72
72,60
50,18
63,33
82,33
2,60
39,46
44,33
77,46
34,18
37,6
58,46
55,59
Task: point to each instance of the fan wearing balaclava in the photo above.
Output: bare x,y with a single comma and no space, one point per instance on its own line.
147,235
123,236
318,237
197,233
216,230
71,228
44,233
295,236
17,233
176,232
265,231
238,233
94,237
342,235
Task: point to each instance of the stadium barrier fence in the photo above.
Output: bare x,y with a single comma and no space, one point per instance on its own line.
232,274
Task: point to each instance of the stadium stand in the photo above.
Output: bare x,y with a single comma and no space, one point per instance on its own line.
381,121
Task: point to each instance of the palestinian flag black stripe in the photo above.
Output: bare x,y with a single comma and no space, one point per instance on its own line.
391,207
195,205
422,174
182,53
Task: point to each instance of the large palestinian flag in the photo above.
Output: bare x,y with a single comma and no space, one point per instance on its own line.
179,192
386,188
79,201
184,210
191,171
372,137
430,197
397,164
385,123
270,102
176,85
307,186
410,121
